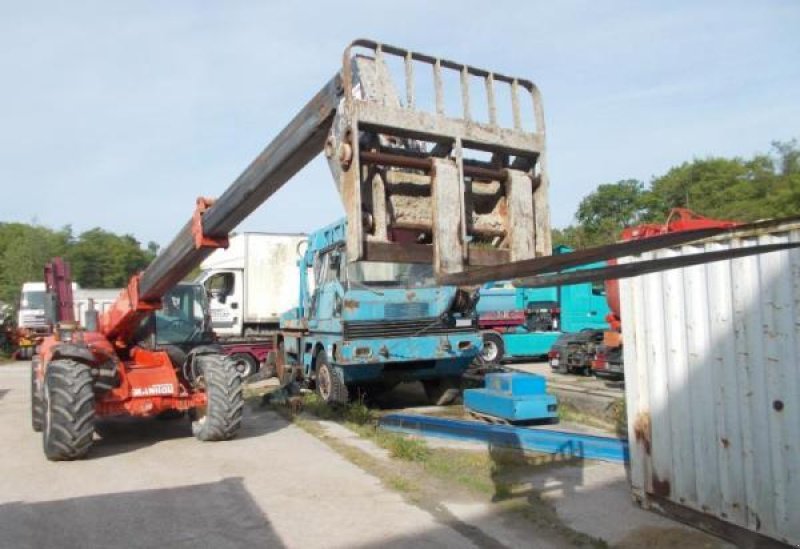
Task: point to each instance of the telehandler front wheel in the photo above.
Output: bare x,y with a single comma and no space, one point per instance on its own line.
37,401
221,417
68,410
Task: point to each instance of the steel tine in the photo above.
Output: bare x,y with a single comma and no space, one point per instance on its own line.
638,268
555,263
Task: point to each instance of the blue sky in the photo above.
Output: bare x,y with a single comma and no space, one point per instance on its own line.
118,114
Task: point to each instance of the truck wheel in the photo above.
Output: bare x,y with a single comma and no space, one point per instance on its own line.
330,385
221,417
37,402
244,363
68,410
441,392
493,349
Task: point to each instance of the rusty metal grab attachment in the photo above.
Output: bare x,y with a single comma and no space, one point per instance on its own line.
438,177
441,185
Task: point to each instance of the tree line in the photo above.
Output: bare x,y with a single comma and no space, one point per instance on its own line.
738,189
98,258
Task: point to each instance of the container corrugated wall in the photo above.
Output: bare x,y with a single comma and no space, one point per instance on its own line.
713,388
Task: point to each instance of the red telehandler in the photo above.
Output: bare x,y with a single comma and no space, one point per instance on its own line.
422,180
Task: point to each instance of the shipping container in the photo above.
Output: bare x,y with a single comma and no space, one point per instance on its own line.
713,389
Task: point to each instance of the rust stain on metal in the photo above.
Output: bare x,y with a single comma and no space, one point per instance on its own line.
350,304
411,296
642,430
661,487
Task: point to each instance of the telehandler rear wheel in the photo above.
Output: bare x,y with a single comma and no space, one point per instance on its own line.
221,417
68,410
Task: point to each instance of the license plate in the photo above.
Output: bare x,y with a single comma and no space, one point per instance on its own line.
463,322
554,362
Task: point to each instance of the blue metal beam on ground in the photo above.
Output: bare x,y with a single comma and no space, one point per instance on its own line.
567,444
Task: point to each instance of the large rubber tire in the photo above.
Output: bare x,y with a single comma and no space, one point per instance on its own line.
330,386
69,410
221,417
245,364
493,350
37,401
441,392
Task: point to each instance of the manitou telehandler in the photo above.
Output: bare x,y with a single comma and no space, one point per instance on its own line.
455,177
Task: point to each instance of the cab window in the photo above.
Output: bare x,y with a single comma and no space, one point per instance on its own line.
220,284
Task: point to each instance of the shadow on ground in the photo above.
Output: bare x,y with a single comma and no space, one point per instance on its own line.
128,434
220,514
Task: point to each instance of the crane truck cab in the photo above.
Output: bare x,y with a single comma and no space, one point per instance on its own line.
370,325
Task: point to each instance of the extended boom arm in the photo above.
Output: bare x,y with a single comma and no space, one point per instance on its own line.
441,185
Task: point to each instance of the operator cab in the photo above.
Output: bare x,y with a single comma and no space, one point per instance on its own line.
182,321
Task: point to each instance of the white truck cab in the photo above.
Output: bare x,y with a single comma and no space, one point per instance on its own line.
252,282
32,312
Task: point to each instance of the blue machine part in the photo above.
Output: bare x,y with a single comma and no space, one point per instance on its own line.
375,321
513,397
533,439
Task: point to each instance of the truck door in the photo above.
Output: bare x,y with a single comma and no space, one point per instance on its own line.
328,290
583,306
225,303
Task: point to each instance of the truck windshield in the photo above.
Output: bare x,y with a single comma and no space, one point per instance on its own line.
394,275
183,316
32,300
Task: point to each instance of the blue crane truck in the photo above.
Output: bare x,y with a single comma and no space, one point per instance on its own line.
369,325
519,322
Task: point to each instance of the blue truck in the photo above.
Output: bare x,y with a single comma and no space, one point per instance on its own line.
370,325
519,323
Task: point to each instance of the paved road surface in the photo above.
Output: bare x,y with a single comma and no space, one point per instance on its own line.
151,484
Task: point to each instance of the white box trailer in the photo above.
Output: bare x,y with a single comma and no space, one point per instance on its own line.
252,282
712,375
102,298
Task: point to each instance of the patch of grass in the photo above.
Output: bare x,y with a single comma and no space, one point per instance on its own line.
422,472
472,469
568,412
404,447
401,484
619,414
356,412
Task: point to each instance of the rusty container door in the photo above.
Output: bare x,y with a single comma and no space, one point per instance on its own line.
712,369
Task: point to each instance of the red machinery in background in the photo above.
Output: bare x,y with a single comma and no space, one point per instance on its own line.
607,360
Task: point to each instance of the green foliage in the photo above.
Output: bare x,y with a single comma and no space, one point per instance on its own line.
99,259
764,186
